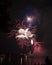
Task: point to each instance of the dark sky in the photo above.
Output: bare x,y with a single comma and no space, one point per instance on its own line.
45,7
18,6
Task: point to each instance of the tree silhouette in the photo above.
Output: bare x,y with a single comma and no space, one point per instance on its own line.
47,61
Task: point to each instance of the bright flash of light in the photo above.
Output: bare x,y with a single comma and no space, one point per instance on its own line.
21,31
30,18
24,33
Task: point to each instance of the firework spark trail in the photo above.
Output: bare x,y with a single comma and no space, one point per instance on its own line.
24,34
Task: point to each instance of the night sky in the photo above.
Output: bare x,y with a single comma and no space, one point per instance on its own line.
15,9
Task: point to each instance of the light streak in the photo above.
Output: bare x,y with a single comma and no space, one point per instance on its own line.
31,41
